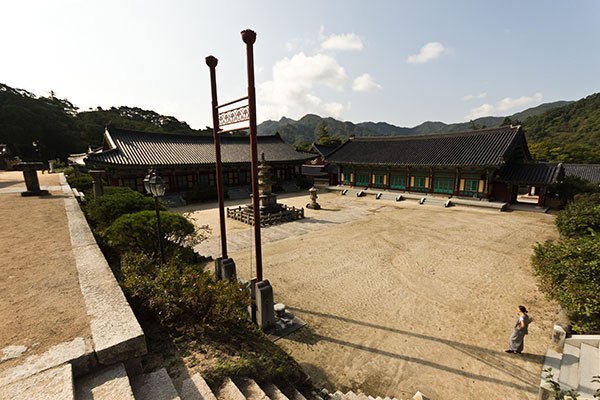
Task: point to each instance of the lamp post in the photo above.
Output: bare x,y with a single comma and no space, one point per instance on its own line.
155,185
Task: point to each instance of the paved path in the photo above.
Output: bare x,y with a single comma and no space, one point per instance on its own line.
41,304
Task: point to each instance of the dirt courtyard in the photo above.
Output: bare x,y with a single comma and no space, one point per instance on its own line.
400,297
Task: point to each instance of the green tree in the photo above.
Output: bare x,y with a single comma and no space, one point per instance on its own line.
138,232
103,211
568,271
581,217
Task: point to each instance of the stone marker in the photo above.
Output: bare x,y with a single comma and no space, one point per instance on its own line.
265,313
558,336
228,269
97,182
31,179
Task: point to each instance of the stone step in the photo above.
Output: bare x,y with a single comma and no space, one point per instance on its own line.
196,388
155,385
55,383
577,340
108,383
294,394
552,360
569,368
337,395
350,395
273,392
251,390
589,366
229,391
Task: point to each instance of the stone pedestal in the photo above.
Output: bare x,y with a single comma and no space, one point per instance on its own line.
98,186
265,313
31,179
225,269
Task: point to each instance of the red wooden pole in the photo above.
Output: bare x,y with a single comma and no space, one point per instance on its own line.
212,65
249,37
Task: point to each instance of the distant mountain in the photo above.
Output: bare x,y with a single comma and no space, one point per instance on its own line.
307,128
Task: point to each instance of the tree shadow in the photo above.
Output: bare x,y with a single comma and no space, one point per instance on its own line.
497,360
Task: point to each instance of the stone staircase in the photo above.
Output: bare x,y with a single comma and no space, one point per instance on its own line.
574,368
114,383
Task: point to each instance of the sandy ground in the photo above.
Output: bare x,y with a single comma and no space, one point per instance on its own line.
400,297
40,301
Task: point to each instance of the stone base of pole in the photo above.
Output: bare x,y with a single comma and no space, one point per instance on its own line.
265,313
225,269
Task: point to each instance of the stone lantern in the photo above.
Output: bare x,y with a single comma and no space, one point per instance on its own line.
313,199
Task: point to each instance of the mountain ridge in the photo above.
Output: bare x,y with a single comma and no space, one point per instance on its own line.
301,131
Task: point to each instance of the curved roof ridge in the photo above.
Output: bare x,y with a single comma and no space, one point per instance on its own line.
437,135
114,129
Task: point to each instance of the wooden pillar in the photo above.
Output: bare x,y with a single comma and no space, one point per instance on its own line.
407,179
486,185
456,191
430,180
388,177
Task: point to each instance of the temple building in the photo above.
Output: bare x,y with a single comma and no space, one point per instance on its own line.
489,164
185,161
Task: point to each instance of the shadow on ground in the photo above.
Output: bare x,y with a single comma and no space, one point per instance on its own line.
496,360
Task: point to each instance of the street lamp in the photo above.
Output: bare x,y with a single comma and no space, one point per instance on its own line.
155,186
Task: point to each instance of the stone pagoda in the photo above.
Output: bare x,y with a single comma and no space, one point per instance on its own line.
271,212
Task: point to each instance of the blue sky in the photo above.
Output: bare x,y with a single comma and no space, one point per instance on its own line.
402,62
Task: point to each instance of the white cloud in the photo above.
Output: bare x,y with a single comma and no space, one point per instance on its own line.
365,83
474,96
505,104
290,92
344,41
430,51
482,111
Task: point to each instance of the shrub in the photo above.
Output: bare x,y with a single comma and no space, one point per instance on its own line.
137,232
184,297
580,217
82,182
116,202
201,193
568,271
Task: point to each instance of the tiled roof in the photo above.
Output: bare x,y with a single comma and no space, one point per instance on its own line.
531,174
589,172
132,148
487,147
322,149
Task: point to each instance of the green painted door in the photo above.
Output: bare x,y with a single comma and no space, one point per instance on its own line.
362,178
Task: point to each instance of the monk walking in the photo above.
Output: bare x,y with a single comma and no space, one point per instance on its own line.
517,339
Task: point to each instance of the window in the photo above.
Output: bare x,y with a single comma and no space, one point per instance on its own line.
181,182
231,178
244,177
203,180
419,183
347,176
379,180
362,178
471,185
443,185
398,182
